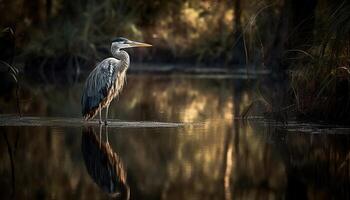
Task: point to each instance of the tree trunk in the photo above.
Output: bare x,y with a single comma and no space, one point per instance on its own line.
238,53
294,31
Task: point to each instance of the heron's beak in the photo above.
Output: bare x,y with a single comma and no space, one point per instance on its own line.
139,44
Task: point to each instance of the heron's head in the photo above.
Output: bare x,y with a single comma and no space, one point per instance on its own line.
123,43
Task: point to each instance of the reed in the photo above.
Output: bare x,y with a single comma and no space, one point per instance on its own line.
320,80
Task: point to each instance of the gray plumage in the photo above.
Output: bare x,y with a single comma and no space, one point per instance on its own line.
106,81
108,75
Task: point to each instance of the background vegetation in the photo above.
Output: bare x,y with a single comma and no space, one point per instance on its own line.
236,31
181,30
309,39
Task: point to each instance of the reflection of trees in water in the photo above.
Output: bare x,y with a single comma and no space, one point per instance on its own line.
11,150
182,162
104,165
177,163
175,98
273,162
251,161
161,98
249,168
46,164
316,165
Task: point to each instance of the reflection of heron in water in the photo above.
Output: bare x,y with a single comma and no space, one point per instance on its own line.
104,165
107,79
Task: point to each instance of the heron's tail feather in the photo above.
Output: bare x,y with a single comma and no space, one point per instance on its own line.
90,106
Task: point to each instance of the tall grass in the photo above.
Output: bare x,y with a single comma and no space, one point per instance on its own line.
320,80
6,59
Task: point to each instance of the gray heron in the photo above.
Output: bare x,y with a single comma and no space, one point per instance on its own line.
106,81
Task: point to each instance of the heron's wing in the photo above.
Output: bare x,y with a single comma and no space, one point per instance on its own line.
97,85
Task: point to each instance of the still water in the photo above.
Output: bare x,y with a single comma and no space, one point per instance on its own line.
171,137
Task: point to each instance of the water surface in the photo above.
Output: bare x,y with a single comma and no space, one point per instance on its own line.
171,137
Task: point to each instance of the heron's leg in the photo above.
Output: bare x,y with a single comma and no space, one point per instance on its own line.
106,115
99,106
100,134
107,135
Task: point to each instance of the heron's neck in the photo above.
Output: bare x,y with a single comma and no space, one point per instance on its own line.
123,56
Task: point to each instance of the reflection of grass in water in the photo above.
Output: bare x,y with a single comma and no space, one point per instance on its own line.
318,162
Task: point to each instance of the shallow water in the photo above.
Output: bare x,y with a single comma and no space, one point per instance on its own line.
170,137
